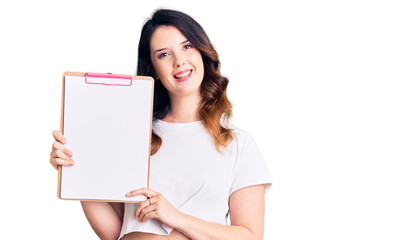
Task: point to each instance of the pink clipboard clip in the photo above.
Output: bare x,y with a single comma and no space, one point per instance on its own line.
108,76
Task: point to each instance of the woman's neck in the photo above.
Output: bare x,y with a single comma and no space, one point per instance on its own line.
183,109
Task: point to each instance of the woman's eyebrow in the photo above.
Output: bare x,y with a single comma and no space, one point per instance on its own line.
158,50
161,49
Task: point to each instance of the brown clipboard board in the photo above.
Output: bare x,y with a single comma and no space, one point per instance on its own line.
131,78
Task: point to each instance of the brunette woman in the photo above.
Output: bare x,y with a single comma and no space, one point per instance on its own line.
203,169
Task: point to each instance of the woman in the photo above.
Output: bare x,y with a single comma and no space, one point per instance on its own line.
202,169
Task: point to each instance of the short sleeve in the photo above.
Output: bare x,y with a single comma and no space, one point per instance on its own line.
250,168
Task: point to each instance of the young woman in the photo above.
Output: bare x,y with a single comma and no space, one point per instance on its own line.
202,168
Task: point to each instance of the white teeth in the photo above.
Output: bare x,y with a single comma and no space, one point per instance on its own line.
185,74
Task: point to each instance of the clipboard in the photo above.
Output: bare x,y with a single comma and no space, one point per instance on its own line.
107,121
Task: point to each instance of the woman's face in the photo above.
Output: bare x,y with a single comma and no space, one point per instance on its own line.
177,63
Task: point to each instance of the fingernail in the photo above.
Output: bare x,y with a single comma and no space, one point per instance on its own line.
70,154
128,194
63,141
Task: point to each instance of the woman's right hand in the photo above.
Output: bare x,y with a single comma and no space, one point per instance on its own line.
60,155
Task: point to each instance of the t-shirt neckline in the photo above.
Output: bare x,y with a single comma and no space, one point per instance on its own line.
194,123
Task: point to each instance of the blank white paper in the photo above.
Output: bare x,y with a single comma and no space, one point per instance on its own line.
108,129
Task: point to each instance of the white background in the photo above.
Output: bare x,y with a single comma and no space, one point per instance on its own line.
321,85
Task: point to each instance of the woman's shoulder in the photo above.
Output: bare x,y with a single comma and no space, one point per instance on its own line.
240,135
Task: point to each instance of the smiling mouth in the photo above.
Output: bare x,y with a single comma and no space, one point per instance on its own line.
183,76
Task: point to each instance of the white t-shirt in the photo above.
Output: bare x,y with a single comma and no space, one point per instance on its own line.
194,177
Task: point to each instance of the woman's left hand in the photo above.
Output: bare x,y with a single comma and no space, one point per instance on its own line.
156,207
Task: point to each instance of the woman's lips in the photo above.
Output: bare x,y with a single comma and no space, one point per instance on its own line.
183,75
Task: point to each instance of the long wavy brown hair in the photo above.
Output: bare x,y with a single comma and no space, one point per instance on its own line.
215,109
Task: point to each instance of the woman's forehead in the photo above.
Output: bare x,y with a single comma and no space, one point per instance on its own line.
166,36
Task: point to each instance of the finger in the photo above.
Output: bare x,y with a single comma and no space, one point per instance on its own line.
141,206
60,154
148,213
59,146
64,162
58,161
59,137
142,191
53,163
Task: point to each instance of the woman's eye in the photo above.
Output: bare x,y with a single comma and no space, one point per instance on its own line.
187,46
163,55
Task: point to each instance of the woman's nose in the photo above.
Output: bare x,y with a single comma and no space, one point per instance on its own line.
179,61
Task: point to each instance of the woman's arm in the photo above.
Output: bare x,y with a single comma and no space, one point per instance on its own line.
246,215
105,218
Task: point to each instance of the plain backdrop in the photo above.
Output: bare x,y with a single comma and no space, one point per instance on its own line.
321,85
